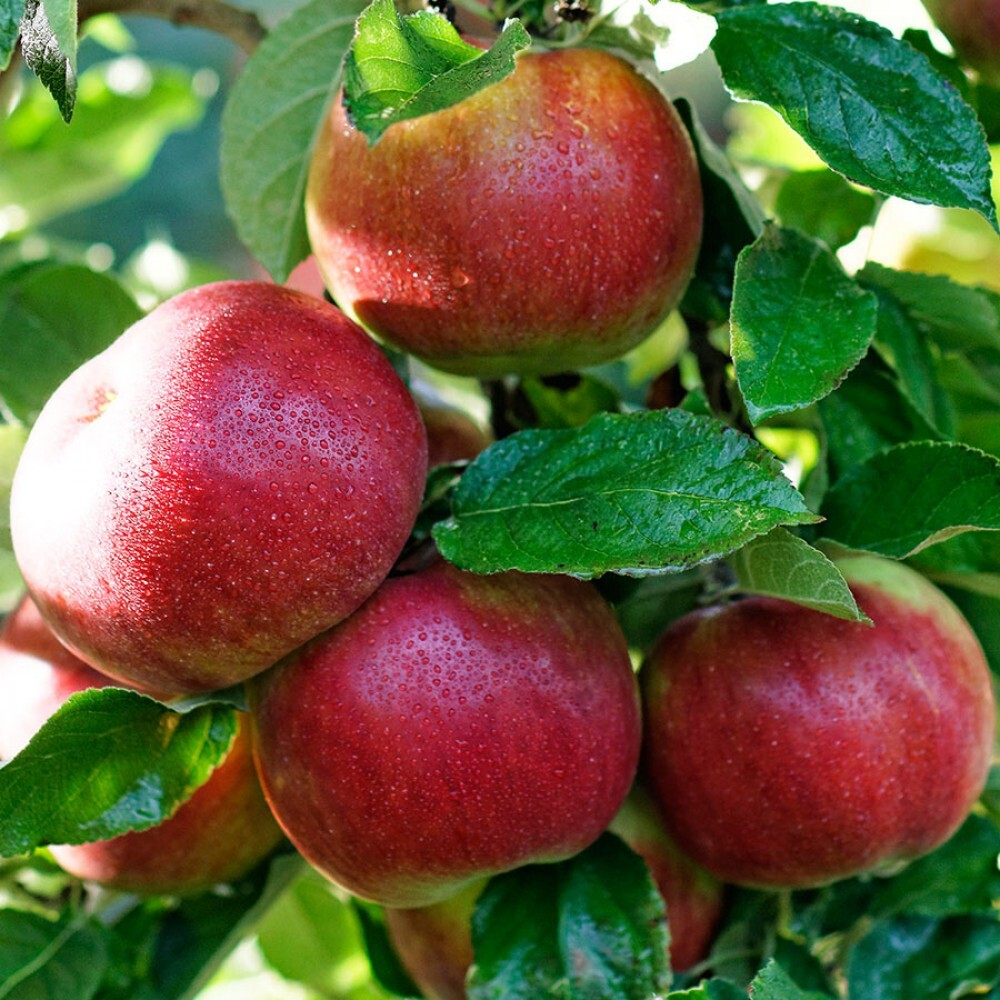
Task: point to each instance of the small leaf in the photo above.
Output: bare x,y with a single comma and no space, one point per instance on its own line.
970,561
924,957
636,494
773,983
593,926
780,564
710,989
404,67
822,204
108,761
799,323
50,51
914,495
571,406
53,318
11,12
270,124
873,107
42,958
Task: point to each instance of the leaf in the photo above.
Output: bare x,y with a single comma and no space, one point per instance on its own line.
914,495
106,762
710,989
11,12
53,318
571,406
873,107
51,57
593,927
773,983
42,958
957,317
780,564
822,204
197,935
269,126
386,967
733,218
924,957
12,439
637,494
970,561
403,67
47,169
799,323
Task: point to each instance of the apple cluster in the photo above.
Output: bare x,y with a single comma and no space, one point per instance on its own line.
223,497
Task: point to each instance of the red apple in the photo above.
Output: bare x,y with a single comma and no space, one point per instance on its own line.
973,28
452,435
233,475
788,748
455,727
216,836
434,943
546,223
693,897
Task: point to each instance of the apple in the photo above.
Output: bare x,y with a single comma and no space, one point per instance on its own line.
215,836
455,727
786,748
232,476
549,222
694,898
973,28
434,943
452,435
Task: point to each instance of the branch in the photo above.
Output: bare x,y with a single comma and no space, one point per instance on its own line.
240,26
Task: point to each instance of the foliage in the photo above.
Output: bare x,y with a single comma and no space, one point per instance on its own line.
811,400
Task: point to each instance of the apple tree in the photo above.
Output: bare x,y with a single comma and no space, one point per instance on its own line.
817,384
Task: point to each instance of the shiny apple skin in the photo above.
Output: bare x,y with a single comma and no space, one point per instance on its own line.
215,836
973,28
233,475
455,727
549,222
786,748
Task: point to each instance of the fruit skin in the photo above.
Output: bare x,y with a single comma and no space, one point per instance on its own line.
786,748
216,836
973,28
452,436
547,223
233,475
434,943
455,727
694,898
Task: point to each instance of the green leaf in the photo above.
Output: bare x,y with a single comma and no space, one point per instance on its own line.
637,494
53,318
199,933
571,406
310,935
780,564
868,413
928,958
733,218
108,761
403,67
270,124
773,983
50,51
654,603
47,169
593,927
873,107
914,495
11,12
386,967
799,323
970,561
957,317
822,204
710,989
42,959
